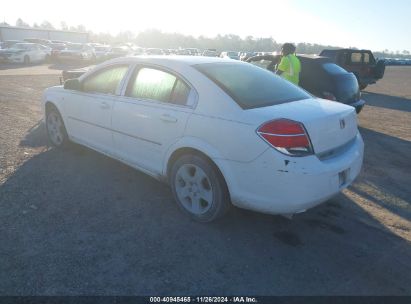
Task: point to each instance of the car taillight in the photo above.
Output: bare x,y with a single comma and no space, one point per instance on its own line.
329,96
287,136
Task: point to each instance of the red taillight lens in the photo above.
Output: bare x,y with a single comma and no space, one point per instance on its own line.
287,136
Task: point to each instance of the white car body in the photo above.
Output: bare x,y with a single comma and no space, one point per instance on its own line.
145,134
19,51
77,51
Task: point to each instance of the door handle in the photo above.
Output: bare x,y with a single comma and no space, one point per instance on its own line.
168,118
104,105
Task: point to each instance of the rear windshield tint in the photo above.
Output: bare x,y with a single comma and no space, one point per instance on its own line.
251,86
333,69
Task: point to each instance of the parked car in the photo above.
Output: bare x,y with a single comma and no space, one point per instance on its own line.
230,55
77,52
9,43
183,52
361,62
56,48
119,51
245,55
154,51
321,77
102,52
186,121
210,53
24,53
48,50
38,40
194,51
60,41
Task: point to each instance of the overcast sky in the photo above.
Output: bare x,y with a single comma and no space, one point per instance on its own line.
375,25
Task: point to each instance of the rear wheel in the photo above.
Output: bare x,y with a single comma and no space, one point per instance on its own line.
199,188
56,130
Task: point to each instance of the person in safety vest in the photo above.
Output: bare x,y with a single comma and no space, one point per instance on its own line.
289,67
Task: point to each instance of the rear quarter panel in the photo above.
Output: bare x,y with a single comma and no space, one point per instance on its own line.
219,122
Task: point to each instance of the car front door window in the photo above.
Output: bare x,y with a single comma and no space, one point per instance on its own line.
106,81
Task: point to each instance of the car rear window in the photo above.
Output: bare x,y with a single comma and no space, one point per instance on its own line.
251,86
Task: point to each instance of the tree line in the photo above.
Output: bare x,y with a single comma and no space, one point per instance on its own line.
230,42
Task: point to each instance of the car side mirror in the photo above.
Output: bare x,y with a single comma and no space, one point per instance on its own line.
73,84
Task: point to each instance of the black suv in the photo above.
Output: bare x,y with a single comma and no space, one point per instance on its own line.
360,62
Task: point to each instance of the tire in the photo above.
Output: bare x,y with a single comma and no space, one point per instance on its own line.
56,131
199,188
26,59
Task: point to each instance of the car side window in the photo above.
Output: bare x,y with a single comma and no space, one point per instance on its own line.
154,84
356,57
180,93
366,58
105,81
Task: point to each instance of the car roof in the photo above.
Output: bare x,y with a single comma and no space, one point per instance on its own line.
340,50
26,43
172,60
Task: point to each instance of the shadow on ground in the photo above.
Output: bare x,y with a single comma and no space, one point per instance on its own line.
386,168
78,223
387,101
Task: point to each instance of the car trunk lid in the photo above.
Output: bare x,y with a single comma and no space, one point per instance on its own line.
329,124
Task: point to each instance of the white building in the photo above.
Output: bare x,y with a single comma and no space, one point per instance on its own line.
20,33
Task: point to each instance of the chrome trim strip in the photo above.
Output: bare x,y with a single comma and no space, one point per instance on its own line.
281,135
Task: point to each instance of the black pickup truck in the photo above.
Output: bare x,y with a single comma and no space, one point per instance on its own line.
361,63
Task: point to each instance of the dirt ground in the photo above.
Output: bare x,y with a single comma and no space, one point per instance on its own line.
74,222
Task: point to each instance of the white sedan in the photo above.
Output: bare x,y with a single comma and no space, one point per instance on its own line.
25,53
219,131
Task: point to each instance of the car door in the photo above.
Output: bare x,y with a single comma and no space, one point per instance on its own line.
38,53
151,116
31,52
88,112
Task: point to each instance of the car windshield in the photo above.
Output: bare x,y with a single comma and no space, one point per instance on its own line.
250,86
333,69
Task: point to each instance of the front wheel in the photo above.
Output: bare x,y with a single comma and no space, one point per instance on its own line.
56,130
199,188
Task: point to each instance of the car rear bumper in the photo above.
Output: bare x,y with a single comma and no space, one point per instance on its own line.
277,184
358,105
368,80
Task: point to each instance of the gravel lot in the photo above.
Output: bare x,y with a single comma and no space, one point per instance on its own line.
75,222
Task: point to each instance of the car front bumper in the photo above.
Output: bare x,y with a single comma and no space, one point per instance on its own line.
277,184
